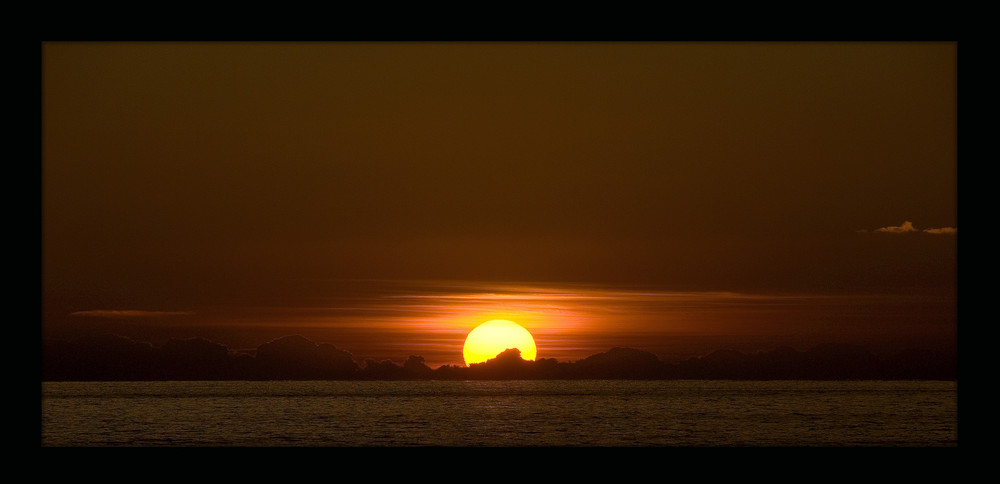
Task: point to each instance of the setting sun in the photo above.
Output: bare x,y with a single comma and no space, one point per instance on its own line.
493,337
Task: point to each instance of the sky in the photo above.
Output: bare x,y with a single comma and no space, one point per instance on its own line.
387,197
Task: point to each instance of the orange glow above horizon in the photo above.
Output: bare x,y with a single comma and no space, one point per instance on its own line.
392,319
493,337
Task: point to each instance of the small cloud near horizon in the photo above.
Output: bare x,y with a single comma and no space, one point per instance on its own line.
129,313
907,227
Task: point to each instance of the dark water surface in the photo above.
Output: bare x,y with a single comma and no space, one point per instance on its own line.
501,413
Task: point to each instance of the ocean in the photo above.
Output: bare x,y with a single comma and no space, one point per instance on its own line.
587,413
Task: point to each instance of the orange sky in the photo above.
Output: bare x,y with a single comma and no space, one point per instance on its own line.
668,195
395,319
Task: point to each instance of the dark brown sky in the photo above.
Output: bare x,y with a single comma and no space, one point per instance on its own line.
182,175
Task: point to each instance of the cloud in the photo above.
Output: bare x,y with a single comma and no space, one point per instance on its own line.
130,313
906,227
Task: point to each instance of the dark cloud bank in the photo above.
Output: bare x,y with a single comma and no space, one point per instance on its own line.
115,358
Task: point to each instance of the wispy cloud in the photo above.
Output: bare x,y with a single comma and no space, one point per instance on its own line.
901,229
452,306
130,313
908,227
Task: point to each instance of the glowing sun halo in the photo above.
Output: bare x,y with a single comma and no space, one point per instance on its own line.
493,337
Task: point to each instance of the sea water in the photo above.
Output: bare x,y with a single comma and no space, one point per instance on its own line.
500,413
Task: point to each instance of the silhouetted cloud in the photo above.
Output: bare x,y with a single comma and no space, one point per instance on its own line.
625,363
296,358
415,367
381,370
195,358
942,230
130,313
902,229
114,358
